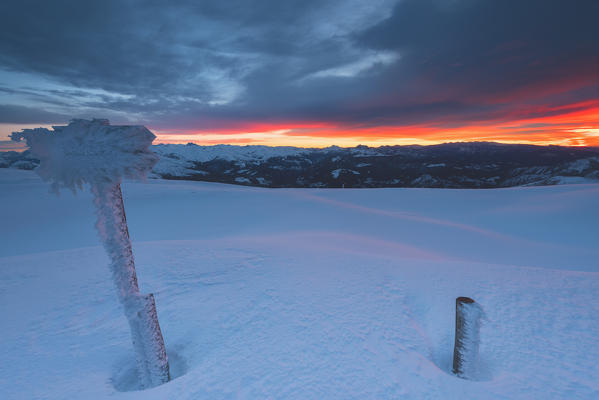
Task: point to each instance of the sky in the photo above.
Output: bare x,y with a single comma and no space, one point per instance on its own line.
305,72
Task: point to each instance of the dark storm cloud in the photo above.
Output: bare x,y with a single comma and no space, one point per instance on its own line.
13,114
203,63
487,48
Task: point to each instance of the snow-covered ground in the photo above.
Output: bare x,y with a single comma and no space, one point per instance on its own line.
304,294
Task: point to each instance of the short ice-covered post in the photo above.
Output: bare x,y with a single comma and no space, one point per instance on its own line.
467,327
101,155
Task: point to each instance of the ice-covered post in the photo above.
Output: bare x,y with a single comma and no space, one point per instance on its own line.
100,154
468,315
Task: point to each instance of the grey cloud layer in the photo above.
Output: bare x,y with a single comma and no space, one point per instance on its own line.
205,63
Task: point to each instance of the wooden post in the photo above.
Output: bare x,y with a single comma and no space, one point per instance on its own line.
467,326
140,309
97,153
150,353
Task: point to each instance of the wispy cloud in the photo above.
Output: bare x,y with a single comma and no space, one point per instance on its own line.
355,68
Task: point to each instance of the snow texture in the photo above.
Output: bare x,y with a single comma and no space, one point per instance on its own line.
90,151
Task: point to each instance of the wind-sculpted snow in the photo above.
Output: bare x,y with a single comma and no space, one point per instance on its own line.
90,152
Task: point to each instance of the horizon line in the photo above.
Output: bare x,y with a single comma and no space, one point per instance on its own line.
8,145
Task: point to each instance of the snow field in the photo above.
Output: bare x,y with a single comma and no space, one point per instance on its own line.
304,294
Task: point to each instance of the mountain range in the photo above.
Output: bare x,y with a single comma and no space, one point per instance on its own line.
449,165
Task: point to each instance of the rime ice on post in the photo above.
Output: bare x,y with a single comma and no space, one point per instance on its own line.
101,154
467,326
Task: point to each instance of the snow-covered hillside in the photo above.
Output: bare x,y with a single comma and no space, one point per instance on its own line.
304,293
450,165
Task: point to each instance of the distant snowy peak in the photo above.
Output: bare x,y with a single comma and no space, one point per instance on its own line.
177,160
226,152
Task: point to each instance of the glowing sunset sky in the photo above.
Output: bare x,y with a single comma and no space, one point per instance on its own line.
307,73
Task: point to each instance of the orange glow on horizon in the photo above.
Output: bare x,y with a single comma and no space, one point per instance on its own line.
571,125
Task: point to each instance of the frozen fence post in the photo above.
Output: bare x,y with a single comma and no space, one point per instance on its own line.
467,326
101,154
